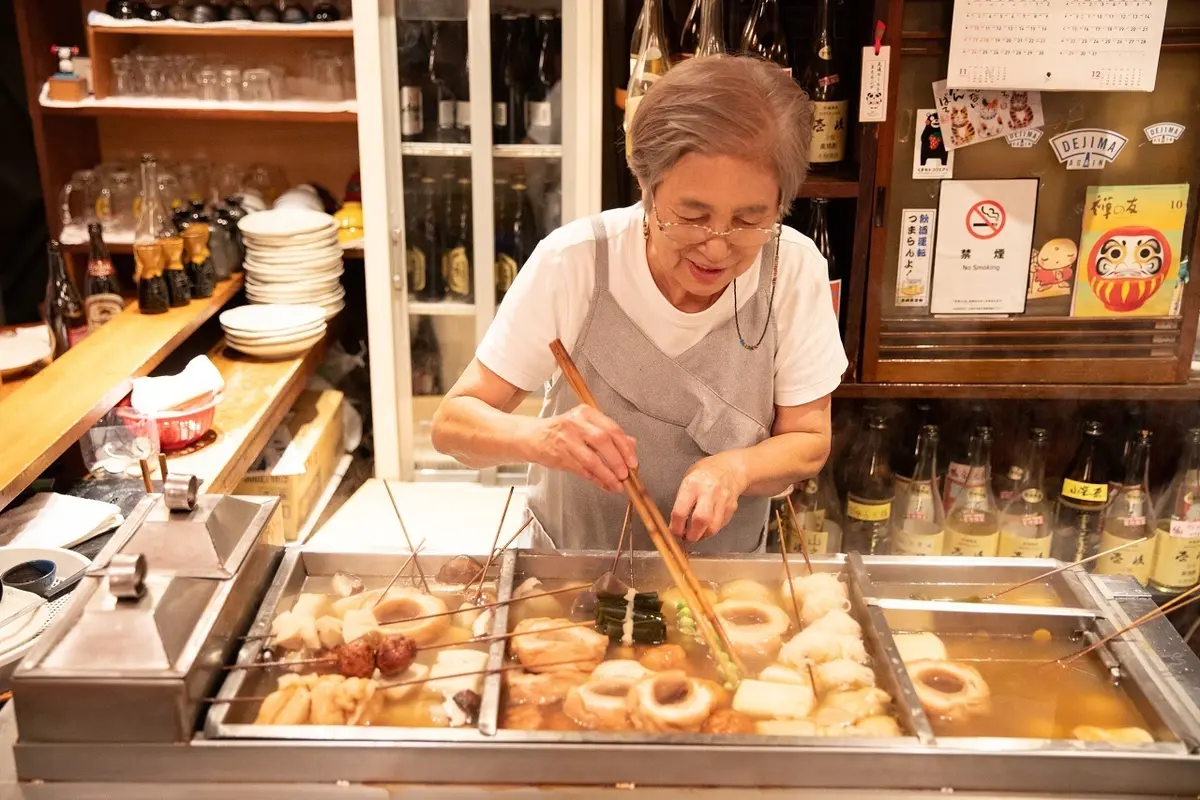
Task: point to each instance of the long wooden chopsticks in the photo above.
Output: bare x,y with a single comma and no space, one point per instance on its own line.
660,534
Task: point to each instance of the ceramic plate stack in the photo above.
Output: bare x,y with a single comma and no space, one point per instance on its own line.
273,331
293,257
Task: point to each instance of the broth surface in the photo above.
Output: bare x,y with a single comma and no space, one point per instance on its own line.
1035,594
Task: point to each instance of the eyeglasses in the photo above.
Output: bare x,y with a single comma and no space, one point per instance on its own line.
687,233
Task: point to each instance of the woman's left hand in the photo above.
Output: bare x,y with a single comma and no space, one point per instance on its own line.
708,495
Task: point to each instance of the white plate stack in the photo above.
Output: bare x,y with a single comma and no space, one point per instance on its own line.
293,257
273,331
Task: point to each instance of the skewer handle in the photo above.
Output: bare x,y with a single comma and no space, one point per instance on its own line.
145,465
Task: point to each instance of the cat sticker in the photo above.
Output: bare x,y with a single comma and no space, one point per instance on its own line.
972,116
931,159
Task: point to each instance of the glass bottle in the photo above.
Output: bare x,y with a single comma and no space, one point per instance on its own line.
1079,513
958,470
652,62
456,258
973,523
445,62
1012,482
918,524
822,80
414,57
712,29
64,310
818,231
1026,523
202,275
1133,422
539,110
908,446
516,242
869,494
818,513
764,36
426,360
149,257
102,292
1176,564
689,34
1130,518
423,250
513,129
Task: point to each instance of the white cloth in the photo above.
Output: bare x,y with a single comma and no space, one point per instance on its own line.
552,292
49,519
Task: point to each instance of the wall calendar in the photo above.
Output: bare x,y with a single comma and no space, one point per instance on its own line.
1056,45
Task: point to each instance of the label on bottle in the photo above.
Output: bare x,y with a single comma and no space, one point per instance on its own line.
417,275
825,53
911,543
506,272
1032,496
958,475
828,80
835,289
456,271
631,104
1135,560
499,114
1090,492
412,115
984,545
1186,528
99,267
1014,546
462,115
100,308
1176,558
446,112
829,132
77,335
811,486
868,512
539,115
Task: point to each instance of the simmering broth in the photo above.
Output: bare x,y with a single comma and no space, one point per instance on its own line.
1035,594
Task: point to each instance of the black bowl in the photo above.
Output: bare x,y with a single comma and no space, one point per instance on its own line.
31,576
266,13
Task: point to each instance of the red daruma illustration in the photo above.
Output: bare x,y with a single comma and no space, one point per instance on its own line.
1127,266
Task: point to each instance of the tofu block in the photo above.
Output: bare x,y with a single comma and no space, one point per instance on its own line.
918,646
308,631
358,623
329,630
778,673
312,604
453,663
285,631
353,602
415,672
763,700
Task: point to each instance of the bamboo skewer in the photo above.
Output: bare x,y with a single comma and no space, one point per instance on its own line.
145,465
800,536
495,540
162,466
1064,568
660,534
787,571
621,541
1179,601
404,530
411,557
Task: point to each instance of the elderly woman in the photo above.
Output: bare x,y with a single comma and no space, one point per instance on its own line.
704,327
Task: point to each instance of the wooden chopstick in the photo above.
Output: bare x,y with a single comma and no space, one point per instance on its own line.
621,541
1166,608
800,536
660,534
787,570
404,530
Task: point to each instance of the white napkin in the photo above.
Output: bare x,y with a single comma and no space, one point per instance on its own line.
166,392
49,519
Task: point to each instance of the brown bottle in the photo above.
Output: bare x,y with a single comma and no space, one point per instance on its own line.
102,292
64,309
200,270
822,80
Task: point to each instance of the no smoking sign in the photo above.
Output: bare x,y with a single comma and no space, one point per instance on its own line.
986,219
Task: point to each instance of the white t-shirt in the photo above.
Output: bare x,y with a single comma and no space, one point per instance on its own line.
552,293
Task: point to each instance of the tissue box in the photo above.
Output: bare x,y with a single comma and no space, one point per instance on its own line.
298,462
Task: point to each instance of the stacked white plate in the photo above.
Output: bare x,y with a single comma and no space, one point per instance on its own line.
273,331
293,257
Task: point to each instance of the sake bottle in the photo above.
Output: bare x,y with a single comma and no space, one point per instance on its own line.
818,514
1010,484
958,468
973,524
918,525
653,59
1026,522
869,494
1177,541
1079,511
1130,518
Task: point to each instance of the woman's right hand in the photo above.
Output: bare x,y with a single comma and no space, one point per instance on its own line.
586,443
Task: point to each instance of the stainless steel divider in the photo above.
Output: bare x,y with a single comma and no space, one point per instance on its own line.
489,709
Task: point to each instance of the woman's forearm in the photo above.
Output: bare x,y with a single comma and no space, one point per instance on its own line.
480,436
770,467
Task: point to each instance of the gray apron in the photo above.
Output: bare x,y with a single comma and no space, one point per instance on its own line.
716,396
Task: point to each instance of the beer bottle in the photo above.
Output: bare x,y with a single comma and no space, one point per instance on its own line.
426,360
64,310
1129,517
1177,540
423,251
712,30
510,123
445,56
869,494
973,522
153,227
462,93
456,258
517,242
823,83
763,35
1079,513
101,292
918,525
652,61
414,59
818,231
1026,523
540,111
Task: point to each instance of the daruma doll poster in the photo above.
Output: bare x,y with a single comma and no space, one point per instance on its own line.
1129,250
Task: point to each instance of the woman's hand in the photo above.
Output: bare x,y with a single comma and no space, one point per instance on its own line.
585,442
709,495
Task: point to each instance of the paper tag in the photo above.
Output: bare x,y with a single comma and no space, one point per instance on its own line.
916,255
1176,559
1186,528
868,512
872,105
931,159
1091,492
1087,148
1164,132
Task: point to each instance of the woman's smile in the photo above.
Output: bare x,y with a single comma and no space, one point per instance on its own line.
703,273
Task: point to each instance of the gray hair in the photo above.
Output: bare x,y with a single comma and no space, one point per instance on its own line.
726,105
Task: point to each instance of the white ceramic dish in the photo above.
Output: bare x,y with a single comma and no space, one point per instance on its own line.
19,636
333,310
331,255
290,242
270,319
21,348
262,341
334,266
315,296
250,338
284,222
277,350
297,283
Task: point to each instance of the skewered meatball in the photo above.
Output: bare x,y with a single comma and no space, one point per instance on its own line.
356,660
726,720
395,654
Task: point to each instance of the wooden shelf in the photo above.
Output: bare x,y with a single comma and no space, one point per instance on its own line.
420,308
1024,391
261,30
345,111
257,395
835,185
50,411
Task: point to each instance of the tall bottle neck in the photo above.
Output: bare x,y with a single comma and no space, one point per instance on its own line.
57,269
926,458
823,29
1137,462
712,20
1036,470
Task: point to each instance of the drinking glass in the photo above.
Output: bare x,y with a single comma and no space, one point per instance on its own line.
184,69
206,84
227,180
122,191
326,76
146,70
77,200
123,83
229,84
257,86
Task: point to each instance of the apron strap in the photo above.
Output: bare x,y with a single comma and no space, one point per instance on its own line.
601,259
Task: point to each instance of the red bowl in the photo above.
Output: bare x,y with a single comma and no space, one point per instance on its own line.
176,429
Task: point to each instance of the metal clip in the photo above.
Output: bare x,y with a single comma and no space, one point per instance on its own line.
127,576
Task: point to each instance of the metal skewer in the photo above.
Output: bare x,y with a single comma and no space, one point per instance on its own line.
800,536
787,570
495,540
404,530
411,558
1064,568
1178,602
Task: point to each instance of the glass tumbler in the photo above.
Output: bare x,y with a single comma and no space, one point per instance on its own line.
257,86
77,200
146,69
327,76
206,84
229,84
123,84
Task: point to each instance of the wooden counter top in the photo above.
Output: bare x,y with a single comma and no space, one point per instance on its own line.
51,410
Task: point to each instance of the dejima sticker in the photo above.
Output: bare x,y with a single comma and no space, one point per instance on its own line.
1087,148
1023,140
1164,132
1127,266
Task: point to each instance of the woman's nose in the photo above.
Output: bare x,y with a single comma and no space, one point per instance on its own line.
716,249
